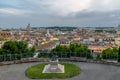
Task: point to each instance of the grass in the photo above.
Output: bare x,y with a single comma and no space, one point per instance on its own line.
35,72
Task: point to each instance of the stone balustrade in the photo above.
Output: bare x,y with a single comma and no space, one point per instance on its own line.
72,59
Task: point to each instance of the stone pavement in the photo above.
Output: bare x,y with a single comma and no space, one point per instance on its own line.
89,71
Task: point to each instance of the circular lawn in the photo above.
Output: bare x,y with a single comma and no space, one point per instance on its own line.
35,72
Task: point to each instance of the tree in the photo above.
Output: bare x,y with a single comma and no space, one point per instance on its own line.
2,39
77,50
119,55
105,53
110,53
32,50
10,47
16,50
22,46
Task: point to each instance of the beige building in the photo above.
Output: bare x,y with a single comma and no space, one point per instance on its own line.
97,49
117,41
118,32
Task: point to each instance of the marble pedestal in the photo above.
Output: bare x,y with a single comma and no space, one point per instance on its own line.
53,67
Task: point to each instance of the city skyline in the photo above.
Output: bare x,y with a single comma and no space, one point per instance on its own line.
94,13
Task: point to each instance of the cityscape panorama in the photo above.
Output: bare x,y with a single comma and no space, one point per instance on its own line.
59,39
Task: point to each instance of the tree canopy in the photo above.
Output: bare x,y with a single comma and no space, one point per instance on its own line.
119,55
110,53
12,48
77,50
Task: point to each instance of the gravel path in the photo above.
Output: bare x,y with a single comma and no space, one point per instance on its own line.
89,71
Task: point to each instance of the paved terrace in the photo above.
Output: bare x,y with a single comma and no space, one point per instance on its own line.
90,71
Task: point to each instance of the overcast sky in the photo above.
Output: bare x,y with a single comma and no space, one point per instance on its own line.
40,13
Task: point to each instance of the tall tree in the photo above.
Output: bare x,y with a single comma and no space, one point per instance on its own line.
76,50
22,46
119,55
110,53
10,47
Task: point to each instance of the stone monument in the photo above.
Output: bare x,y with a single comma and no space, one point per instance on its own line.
54,66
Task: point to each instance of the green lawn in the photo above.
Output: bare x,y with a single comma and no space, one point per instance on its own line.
35,72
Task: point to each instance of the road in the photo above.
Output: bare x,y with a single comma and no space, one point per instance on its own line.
90,71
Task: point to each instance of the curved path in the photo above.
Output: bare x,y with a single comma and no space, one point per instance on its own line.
89,71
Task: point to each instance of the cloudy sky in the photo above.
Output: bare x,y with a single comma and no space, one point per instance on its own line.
18,13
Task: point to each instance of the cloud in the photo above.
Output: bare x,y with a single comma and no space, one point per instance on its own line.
13,8
11,11
8,11
71,7
63,7
68,7
60,12
105,5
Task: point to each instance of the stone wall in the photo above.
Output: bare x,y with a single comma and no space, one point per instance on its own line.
73,59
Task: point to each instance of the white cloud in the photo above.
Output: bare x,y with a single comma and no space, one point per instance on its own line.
70,7
105,5
8,11
11,11
66,7
63,7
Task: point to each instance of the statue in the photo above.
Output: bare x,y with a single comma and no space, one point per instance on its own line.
54,58
54,66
